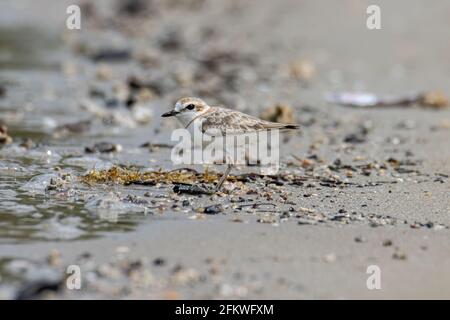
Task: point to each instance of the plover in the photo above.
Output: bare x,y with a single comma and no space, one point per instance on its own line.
219,122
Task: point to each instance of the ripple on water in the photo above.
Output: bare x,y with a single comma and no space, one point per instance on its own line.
38,184
111,206
40,155
17,208
7,194
48,205
11,169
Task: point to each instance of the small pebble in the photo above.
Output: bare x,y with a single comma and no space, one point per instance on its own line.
330,257
214,209
159,262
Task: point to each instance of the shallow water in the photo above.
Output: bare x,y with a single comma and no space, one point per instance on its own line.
30,212
39,98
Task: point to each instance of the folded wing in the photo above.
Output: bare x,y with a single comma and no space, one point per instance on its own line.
221,121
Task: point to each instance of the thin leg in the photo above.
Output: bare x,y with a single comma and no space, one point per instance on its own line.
223,178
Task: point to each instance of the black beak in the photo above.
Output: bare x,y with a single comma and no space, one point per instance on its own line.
169,114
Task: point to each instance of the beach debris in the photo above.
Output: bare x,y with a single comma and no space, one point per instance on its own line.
183,177
188,181
111,55
435,226
103,147
59,182
184,276
4,137
387,243
191,189
213,209
307,164
329,257
399,255
132,199
153,146
279,113
431,99
255,205
434,99
268,219
159,262
360,239
302,69
360,136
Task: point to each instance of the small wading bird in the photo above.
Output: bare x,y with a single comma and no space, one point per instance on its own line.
219,121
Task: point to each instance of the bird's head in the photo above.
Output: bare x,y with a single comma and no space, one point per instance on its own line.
187,109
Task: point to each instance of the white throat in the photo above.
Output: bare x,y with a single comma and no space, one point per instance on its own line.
187,118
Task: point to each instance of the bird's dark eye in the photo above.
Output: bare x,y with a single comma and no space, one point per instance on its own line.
190,106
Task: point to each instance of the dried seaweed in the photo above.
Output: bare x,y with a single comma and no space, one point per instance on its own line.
131,176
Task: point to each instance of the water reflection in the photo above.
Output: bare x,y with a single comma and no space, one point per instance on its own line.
28,211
